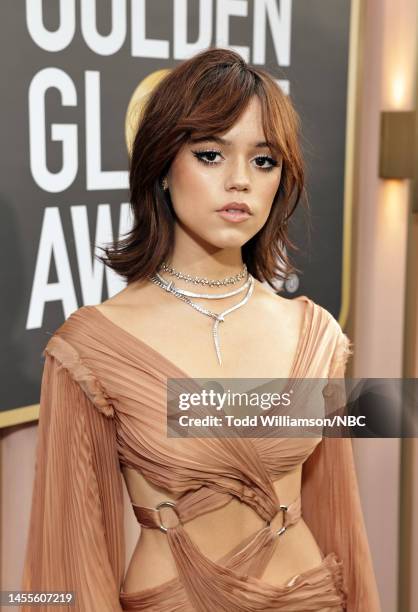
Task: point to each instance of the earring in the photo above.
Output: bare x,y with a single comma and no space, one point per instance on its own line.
165,183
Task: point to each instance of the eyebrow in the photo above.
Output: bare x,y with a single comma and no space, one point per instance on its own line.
223,141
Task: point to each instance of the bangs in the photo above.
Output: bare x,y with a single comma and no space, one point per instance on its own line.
279,122
220,98
217,100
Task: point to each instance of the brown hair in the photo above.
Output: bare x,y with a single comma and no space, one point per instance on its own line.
205,95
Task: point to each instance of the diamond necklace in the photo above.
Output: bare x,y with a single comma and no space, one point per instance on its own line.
218,318
208,296
230,280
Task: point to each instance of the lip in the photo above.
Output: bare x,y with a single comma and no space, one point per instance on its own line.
234,217
243,206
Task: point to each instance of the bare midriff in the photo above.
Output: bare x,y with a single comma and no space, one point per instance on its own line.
216,533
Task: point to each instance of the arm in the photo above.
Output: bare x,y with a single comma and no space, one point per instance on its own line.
331,502
76,537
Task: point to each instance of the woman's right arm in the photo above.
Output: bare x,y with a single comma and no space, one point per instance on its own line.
76,536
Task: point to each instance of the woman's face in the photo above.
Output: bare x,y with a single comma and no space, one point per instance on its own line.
207,175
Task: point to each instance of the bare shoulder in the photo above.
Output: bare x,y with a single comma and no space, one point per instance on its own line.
136,295
289,310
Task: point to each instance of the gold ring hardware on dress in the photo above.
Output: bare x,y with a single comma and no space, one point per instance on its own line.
168,504
282,529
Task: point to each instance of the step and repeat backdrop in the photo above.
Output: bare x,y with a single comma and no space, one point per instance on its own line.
71,69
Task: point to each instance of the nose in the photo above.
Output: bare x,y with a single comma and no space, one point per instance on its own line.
238,176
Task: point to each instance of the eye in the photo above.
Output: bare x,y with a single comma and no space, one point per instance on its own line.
266,158
200,156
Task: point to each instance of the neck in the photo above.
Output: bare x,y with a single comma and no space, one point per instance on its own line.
190,257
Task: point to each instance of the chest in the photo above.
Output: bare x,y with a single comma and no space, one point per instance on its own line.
249,346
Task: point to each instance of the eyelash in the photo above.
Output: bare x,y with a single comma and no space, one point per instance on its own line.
199,157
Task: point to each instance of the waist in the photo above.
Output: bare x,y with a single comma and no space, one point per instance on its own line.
220,529
216,534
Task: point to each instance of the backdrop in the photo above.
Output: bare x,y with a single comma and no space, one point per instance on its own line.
70,69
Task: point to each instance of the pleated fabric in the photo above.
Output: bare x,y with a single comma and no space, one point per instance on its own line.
104,405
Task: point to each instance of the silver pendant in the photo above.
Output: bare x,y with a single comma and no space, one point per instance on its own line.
216,339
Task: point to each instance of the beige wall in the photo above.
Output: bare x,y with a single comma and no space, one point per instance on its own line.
379,275
377,312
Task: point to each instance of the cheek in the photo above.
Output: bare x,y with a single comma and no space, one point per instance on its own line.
267,191
192,189
189,178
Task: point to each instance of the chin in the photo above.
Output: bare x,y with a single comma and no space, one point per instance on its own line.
228,242
234,236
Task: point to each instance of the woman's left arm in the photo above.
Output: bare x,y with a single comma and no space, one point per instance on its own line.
331,501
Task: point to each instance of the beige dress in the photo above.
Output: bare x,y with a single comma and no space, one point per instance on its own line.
103,406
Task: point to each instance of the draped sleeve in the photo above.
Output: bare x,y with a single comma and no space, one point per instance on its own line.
76,534
331,501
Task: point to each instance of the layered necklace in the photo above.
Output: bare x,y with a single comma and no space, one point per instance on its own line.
185,295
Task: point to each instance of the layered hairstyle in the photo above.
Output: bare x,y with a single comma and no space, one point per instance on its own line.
205,95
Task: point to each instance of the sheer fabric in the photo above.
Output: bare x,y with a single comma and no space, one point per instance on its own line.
103,405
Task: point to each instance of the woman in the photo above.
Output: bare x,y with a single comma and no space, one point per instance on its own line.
216,173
